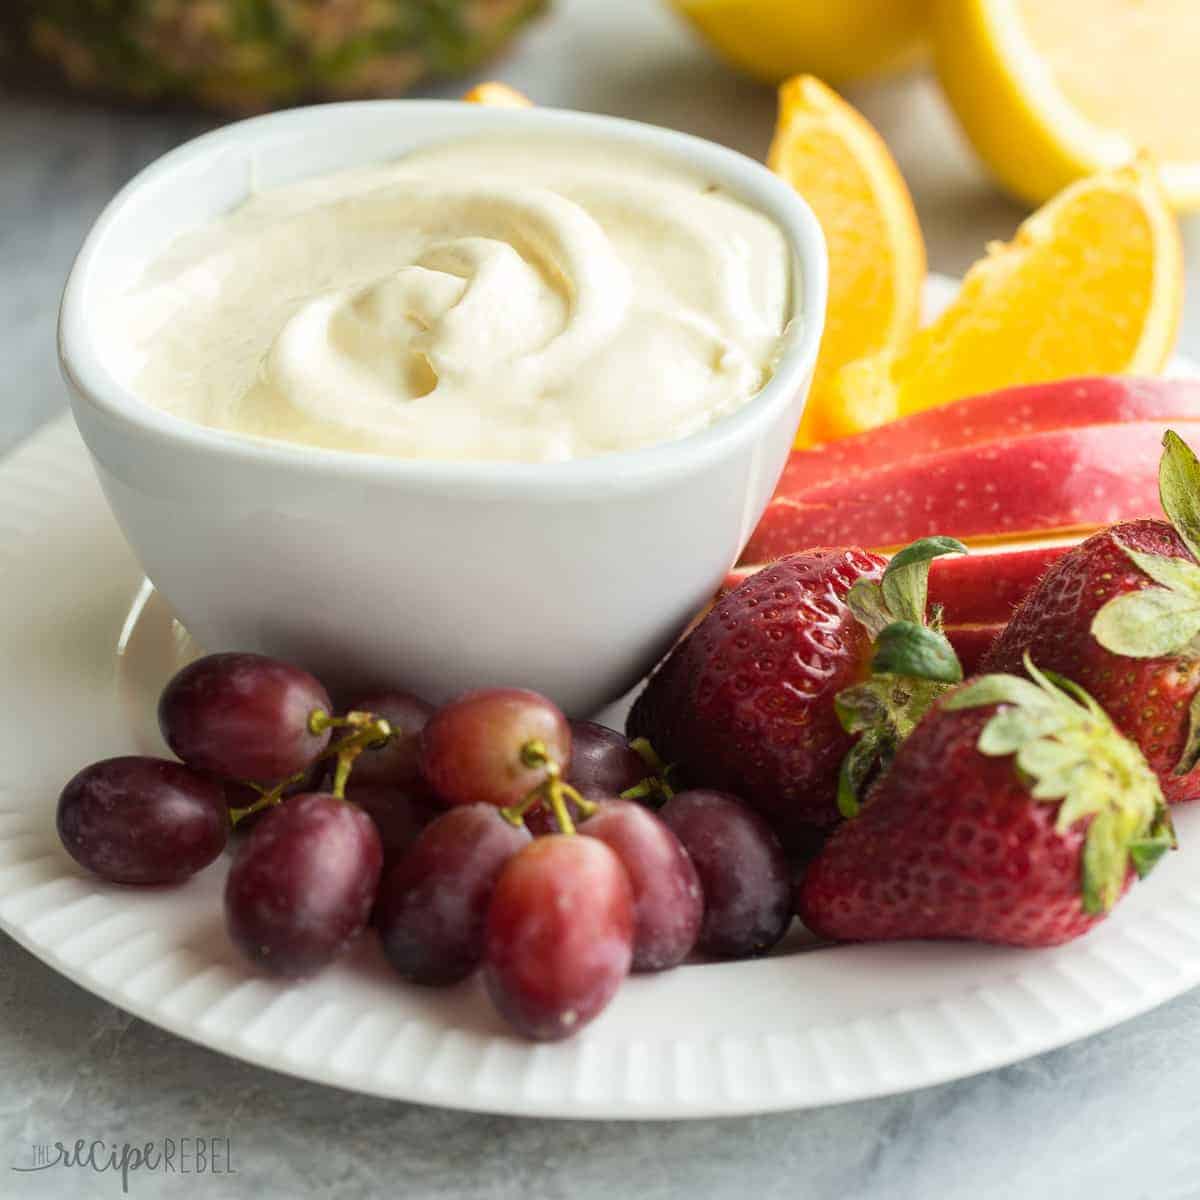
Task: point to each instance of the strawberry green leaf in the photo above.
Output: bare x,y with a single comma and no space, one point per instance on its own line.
883,711
1148,624
996,689
1012,728
865,601
861,707
1191,749
857,767
1176,574
905,648
1066,749
1179,489
1145,853
1104,862
905,582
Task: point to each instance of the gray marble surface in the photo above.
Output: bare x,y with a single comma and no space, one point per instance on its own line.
1116,1116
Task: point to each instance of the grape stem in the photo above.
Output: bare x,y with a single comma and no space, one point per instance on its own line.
554,790
267,798
367,730
657,785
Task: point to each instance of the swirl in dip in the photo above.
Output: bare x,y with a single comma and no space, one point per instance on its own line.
523,299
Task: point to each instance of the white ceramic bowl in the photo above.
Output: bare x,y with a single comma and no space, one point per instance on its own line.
571,578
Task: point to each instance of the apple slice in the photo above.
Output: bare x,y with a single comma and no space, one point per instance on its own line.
977,589
1060,481
1012,412
986,585
971,642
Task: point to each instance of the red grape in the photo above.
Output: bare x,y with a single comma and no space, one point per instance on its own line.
742,870
433,903
398,759
471,750
399,813
603,763
559,935
302,885
243,716
668,905
142,820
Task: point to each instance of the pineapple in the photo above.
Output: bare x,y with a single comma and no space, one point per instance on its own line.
243,55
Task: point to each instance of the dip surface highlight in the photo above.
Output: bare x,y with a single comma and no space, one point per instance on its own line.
527,299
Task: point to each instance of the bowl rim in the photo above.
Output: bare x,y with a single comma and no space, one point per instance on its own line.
96,387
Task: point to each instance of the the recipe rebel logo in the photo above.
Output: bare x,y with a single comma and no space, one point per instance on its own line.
164,1156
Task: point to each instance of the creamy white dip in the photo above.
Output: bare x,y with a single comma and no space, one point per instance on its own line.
520,299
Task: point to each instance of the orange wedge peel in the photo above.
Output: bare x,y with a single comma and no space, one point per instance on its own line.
834,158
1092,284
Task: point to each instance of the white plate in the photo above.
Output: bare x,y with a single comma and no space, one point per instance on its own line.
795,1030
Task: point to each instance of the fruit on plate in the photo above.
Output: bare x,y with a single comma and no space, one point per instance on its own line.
254,54
1014,813
396,759
559,935
772,39
303,883
245,716
1056,481
742,869
400,814
429,843
833,157
142,820
1121,614
982,588
745,702
433,903
993,416
1091,284
971,643
603,763
497,95
494,745
1050,92
668,905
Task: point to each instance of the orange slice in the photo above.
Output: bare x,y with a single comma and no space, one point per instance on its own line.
1052,90
841,41
497,95
833,157
1092,284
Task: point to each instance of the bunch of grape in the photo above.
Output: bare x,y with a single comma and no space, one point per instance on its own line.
490,834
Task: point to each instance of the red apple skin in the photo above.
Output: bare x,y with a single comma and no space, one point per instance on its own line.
971,643
982,587
1011,412
985,587
1066,480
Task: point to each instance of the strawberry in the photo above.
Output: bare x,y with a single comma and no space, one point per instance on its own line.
1120,614
745,703
1015,812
